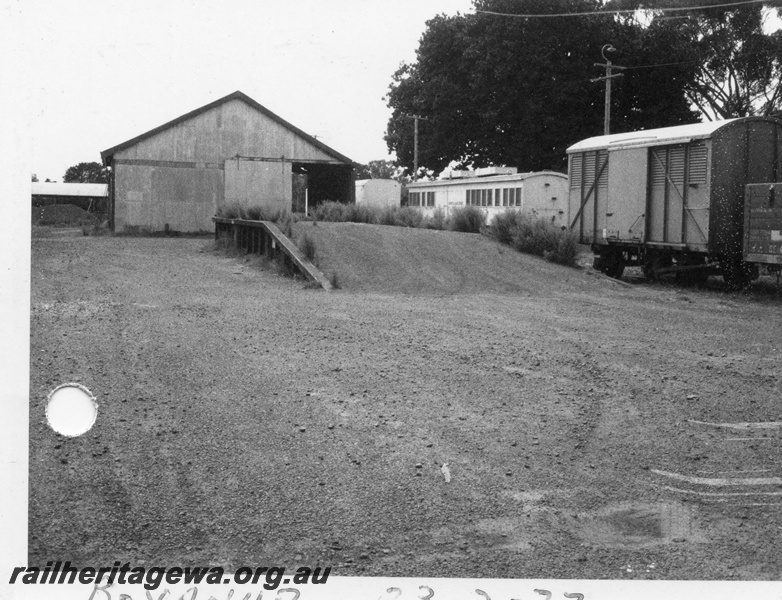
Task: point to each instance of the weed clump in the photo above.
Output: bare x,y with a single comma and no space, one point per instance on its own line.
234,210
334,281
307,246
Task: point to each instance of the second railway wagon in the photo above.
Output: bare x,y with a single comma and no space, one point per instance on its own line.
672,200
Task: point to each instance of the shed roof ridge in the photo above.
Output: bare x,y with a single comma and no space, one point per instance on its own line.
237,95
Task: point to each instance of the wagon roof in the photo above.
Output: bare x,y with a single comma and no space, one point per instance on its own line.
106,155
678,133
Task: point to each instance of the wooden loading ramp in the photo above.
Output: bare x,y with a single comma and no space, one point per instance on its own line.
264,237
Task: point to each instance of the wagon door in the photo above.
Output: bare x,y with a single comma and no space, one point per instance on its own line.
678,205
666,193
696,199
588,187
626,201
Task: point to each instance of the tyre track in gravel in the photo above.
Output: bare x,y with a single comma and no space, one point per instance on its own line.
265,422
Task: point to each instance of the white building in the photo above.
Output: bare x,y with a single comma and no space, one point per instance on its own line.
494,190
383,193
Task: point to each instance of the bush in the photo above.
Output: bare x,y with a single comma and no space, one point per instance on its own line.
359,213
468,219
504,225
437,221
566,252
534,235
387,216
406,216
329,211
229,211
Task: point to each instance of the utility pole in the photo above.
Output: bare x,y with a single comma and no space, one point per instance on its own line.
608,66
415,118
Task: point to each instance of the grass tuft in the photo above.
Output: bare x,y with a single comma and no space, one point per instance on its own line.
334,281
307,246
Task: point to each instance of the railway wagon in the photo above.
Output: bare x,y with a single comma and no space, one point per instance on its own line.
672,200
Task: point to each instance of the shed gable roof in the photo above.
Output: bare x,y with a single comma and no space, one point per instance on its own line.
106,155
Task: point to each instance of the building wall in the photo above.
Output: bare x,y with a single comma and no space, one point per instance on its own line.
184,174
151,197
382,193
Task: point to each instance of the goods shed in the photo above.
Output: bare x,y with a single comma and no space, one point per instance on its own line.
230,152
494,190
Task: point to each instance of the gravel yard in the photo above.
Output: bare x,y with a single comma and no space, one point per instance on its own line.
591,429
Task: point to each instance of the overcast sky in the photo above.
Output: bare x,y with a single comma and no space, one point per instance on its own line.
103,72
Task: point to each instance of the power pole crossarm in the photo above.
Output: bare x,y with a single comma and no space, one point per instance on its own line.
608,66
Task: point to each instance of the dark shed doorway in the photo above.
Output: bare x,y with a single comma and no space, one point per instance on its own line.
324,183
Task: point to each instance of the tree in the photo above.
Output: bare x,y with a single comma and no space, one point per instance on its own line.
86,172
517,91
35,178
736,66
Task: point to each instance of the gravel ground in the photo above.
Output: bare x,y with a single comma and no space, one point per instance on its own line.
591,429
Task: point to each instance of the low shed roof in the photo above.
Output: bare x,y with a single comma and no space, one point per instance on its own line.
88,190
664,135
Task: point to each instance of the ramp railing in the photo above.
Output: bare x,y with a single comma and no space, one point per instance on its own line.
264,237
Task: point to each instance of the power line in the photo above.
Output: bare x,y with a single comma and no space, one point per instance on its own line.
616,12
670,64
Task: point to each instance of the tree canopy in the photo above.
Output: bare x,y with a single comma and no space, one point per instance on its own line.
86,172
380,169
499,89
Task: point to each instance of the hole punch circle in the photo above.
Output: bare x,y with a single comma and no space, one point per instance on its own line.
71,409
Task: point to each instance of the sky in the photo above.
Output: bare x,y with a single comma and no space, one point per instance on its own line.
102,72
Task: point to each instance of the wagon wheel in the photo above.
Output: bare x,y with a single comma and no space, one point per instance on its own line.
656,263
613,265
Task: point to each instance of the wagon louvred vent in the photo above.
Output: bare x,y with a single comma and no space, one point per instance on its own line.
698,163
576,170
676,165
